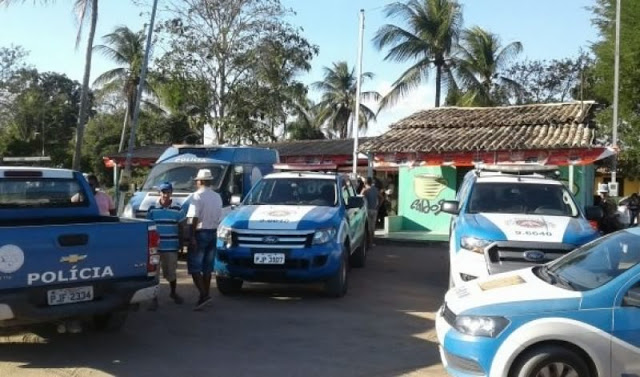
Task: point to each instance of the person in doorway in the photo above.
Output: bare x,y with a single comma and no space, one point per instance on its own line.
205,212
167,217
372,195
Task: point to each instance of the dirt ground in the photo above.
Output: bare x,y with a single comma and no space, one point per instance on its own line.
383,327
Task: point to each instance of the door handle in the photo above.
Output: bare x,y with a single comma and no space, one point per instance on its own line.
68,240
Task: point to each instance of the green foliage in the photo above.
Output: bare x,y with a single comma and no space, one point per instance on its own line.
427,39
479,68
39,103
558,80
600,81
338,99
239,60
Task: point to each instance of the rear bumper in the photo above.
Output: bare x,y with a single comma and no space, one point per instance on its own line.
29,306
313,264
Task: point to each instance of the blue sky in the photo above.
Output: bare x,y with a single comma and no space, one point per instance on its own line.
548,29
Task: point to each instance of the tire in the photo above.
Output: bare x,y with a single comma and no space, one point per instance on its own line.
359,258
337,285
110,322
552,359
228,286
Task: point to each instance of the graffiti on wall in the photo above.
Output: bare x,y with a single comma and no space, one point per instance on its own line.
427,187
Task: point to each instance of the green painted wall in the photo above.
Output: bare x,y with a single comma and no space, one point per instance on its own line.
420,192
583,183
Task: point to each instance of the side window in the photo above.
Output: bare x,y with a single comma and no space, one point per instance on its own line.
237,187
346,192
632,297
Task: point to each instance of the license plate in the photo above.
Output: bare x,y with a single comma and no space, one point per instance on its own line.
69,295
268,258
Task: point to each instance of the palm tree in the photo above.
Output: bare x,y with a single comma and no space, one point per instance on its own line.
338,99
83,9
431,35
478,66
125,48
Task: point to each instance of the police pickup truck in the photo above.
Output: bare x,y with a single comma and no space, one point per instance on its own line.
510,216
294,227
60,261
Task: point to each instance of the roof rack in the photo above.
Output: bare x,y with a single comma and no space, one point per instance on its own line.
520,169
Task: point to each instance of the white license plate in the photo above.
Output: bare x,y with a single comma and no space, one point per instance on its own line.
69,295
268,258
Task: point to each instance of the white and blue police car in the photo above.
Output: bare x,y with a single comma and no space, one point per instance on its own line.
507,217
577,316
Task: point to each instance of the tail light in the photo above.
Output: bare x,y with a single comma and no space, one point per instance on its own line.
594,224
153,258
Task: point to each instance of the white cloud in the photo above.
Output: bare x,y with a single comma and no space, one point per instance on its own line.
418,99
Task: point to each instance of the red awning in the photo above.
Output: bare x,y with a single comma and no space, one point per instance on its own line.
560,157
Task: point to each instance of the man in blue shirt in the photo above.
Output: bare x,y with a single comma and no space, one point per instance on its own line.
168,217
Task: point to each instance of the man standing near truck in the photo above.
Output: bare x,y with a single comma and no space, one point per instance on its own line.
167,217
205,212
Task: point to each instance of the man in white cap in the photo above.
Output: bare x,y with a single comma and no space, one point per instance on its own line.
205,211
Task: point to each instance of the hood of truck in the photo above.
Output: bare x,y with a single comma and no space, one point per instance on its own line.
282,217
538,228
512,293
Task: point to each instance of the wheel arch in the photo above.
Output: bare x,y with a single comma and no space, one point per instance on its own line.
560,343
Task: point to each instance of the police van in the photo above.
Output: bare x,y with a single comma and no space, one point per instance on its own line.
578,316
507,217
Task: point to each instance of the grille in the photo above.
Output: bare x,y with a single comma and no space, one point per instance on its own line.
271,239
517,252
463,364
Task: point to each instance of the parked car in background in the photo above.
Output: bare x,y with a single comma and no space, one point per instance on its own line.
60,261
508,217
294,227
576,316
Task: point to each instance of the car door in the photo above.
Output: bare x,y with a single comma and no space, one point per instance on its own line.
354,215
625,343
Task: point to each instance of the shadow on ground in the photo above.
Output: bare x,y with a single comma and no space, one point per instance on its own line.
383,327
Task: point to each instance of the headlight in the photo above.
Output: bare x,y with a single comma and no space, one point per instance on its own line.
323,236
128,211
476,245
225,234
481,326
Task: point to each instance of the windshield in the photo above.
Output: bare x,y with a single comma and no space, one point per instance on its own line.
181,176
41,193
598,262
522,198
298,191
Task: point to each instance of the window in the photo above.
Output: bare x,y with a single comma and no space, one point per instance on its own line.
522,198
181,176
41,193
297,191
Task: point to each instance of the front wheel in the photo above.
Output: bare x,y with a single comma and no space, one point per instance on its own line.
336,286
550,361
228,286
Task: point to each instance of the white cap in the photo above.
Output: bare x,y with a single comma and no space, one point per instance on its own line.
203,175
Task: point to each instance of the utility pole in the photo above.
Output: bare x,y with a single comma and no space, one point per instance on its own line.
356,122
125,178
616,84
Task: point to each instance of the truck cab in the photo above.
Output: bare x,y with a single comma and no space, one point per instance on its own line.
294,227
234,168
507,217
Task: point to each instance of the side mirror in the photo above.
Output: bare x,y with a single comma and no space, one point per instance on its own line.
355,202
235,200
632,298
594,213
450,207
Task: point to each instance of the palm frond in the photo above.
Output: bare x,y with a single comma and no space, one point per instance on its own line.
409,80
82,9
109,76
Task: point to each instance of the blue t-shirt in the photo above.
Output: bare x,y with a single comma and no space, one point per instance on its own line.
167,224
